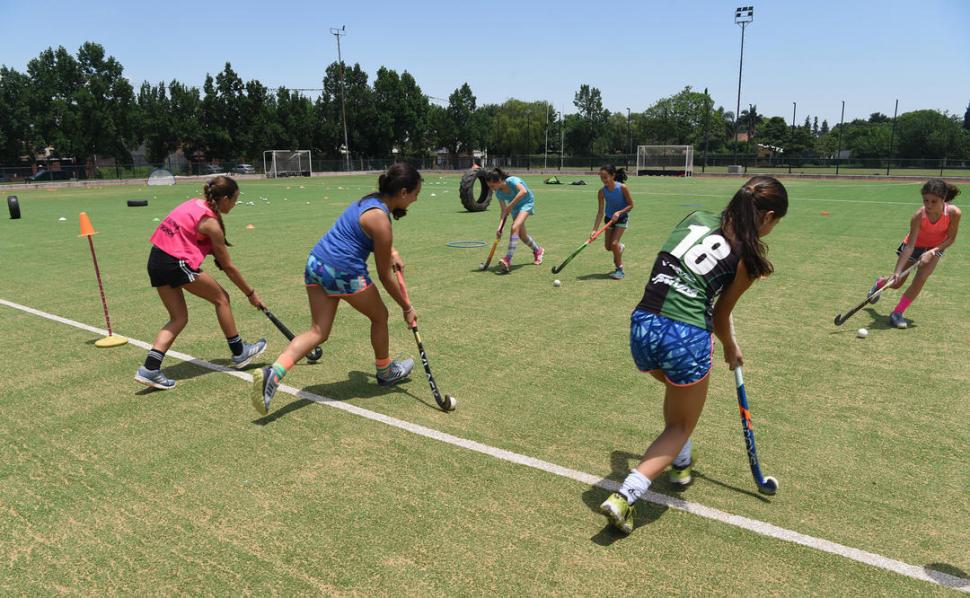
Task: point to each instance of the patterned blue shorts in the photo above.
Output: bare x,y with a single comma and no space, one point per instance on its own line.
334,282
682,351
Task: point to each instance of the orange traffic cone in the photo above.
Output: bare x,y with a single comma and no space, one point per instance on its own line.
87,230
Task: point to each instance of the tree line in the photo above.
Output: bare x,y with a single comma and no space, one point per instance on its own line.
82,106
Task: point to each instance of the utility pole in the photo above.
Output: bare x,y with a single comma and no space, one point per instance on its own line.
794,105
892,137
338,32
545,152
707,122
743,15
838,155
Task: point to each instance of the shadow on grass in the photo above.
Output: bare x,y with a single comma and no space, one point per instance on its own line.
182,371
358,385
595,276
944,573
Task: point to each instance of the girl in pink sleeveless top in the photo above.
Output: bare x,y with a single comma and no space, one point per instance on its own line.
180,244
932,229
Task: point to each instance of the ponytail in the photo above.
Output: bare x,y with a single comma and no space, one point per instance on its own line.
215,189
940,188
744,215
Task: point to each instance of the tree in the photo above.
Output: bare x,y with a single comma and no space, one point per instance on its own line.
878,117
592,119
156,127
680,120
185,105
749,120
15,131
455,129
928,134
402,113
53,76
815,132
825,127
966,118
518,128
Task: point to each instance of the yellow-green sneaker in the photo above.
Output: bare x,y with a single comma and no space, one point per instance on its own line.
681,477
619,512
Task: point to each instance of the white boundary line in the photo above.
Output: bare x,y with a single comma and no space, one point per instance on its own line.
753,525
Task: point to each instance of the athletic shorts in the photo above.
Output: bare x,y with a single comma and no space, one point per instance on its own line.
682,351
164,269
529,206
917,252
621,222
334,282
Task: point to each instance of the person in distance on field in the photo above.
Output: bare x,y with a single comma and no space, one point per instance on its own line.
518,202
932,229
707,257
615,197
337,269
193,230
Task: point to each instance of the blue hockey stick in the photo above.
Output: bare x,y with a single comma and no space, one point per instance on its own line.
766,485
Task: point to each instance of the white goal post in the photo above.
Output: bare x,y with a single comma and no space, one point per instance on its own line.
665,160
281,163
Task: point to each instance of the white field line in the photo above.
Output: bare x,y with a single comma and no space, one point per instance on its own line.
753,525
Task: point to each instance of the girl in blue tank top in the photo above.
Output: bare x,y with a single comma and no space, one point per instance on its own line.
336,270
615,198
517,201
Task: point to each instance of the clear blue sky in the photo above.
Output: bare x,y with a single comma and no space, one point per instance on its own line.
866,52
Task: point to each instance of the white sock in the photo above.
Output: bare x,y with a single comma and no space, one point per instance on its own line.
530,242
683,457
634,486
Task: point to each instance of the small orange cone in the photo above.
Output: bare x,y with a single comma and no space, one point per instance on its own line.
250,227
86,228
825,213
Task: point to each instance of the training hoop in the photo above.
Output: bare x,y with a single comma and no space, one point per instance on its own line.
466,244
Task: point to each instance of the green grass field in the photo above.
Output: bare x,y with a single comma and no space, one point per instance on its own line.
108,488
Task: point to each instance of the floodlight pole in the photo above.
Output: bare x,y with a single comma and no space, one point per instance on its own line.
794,105
707,122
838,154
629,136
545,152
338,32
743,15
562,136
892,137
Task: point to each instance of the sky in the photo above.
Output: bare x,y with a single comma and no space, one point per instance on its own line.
868,53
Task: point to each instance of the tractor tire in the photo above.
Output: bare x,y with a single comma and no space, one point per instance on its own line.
137,203
466,191
14,206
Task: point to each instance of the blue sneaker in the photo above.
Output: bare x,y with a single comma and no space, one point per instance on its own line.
265,383
897,320
154,379
617,274
395,372
249,353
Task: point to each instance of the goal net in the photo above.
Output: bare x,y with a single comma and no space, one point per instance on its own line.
280,163
160,176
665,160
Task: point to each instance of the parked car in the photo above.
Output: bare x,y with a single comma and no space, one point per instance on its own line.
211,169
244,169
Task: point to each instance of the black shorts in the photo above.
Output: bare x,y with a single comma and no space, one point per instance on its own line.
917,252
164,269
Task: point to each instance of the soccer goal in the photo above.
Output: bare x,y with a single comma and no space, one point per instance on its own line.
665,160
160,176
280,163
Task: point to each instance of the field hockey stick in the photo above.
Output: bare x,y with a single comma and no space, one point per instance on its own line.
312,356
448,402
840,319
569,258
766,484
484,265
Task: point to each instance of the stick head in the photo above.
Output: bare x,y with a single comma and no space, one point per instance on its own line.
450,403
839,320
481,266
315,355
770,486
555,269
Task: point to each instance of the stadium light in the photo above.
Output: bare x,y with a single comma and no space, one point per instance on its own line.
743,16
338,32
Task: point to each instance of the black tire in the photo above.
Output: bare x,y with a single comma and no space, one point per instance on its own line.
14,206
137,203
466,191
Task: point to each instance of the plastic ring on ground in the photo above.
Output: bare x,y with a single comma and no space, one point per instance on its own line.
466,244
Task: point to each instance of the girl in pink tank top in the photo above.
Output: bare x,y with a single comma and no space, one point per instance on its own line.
180,244
932,229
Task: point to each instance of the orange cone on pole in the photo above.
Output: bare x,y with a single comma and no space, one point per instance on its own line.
87,230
